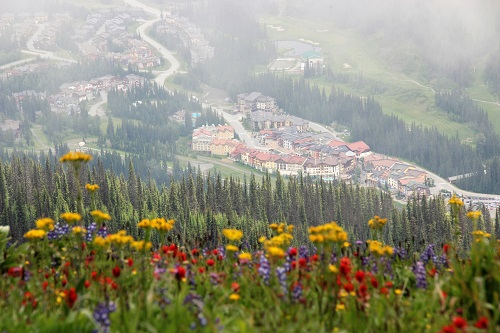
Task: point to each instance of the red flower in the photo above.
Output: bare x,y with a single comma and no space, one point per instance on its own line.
374,282
195,252
180,273
460,322
215,252
201,270
292,252
181,256
433,272
130,262
359,276
345,266
63,282
446,248
363,290
235,286
348,287
384,291
482,323
45,284
71,297
314,257
448,329
15,272
210,262
87,284
114,286
389,284
116,271
93,275
294,265
302,262
193,261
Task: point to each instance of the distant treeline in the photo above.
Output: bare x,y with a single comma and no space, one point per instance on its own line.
34,187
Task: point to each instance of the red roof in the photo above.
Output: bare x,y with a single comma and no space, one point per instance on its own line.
335,143
358,147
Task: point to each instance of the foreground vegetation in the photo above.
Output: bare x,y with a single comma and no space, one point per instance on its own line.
67,277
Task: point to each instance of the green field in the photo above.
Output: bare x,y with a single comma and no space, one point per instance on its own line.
409,97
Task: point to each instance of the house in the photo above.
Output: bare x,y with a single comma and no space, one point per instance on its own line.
224,132
256,101
360,148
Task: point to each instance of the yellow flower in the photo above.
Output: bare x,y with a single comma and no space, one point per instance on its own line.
231,248
455,201
340,307
327,233
480,235
100,216
45,223
75,156
398,291
141,245
262,239
245,256
377,223
332,268
145,223
162,225
275,251
100,241
233,234
474,215
234,297
120,238
273,226
346,244
35,234
78,230
92,187
343,293
71,218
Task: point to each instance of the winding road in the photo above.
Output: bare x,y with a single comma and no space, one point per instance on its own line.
141,30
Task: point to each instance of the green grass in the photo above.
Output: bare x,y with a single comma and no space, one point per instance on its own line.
398,93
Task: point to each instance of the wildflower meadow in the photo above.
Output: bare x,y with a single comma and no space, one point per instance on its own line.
74,276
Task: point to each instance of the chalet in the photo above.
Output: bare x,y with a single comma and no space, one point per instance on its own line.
360,148
201,140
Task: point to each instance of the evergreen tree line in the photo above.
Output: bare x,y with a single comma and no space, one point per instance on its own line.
203,205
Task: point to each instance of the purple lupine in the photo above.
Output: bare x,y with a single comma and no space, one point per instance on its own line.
400,253
304,252
264,269
420,275
214,278
388,267
297,292
101,315
281,273
429,254
103,231
90,231
222,252
60,229
365,261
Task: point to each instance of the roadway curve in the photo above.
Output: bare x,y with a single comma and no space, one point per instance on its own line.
141,30
30,45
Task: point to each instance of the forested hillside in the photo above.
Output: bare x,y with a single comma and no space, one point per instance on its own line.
202,206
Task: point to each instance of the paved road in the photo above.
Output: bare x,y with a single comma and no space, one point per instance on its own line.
41,53
94,109
17,62
174,63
